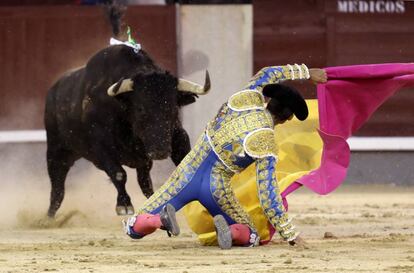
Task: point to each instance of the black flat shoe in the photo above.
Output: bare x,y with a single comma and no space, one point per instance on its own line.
223,232
168,220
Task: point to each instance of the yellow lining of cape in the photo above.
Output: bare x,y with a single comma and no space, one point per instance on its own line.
300,149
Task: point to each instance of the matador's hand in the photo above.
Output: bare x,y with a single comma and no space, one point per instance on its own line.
318,75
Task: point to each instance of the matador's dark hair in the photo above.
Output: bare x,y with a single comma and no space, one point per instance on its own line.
285,101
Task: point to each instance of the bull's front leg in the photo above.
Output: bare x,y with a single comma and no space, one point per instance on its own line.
118,177
180,144
123,201
143,175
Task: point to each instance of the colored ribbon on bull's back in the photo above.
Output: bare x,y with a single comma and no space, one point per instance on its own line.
314,153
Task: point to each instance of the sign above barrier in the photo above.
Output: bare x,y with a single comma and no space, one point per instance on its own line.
371,6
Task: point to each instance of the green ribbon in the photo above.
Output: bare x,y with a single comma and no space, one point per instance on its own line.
130,39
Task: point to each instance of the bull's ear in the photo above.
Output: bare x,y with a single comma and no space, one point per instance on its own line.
185,98
122,86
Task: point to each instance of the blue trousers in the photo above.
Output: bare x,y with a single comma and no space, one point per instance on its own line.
203,177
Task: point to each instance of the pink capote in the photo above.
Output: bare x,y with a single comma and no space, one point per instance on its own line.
345,102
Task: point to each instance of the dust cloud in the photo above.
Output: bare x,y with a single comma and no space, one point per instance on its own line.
90,196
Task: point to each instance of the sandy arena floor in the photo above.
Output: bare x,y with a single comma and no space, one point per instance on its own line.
372,230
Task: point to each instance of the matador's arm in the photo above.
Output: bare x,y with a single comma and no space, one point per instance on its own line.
275,74
261,146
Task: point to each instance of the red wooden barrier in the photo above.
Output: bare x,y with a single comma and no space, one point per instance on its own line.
39,43
340,32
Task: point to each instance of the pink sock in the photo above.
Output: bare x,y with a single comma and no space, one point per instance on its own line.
240,234
147,223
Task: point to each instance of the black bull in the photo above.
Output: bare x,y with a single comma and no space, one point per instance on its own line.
119,109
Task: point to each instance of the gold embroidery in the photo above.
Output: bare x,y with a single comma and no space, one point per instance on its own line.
299,72
237,149
261,143
231,127
221,189
273,207
246,100
274,74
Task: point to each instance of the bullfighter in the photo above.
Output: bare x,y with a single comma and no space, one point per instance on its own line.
241,133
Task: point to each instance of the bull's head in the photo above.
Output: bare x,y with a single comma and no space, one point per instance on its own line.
152,101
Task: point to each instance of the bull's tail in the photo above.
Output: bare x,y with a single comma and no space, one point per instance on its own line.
114,10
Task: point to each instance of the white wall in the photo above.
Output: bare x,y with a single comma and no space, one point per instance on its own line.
218,38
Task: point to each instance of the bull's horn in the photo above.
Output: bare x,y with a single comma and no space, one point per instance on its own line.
121,86
184,85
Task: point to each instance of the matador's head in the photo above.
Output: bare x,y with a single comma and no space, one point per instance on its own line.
285,101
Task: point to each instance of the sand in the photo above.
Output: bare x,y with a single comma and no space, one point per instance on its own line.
355,229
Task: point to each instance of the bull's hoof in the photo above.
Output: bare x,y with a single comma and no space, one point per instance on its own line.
148,194
124,210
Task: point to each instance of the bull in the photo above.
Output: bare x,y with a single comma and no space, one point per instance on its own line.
119,109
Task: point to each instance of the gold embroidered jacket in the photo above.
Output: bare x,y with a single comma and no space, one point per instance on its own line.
243,133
